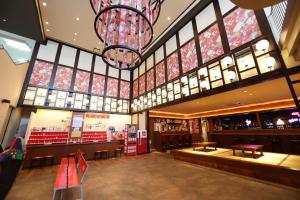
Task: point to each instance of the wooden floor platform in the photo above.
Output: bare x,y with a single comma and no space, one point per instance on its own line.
274,167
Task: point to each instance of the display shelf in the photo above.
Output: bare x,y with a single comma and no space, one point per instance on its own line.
45,137
93,136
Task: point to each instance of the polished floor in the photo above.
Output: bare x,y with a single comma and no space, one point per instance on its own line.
152,176
270,158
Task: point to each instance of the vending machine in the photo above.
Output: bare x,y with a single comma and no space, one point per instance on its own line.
130,135
142,141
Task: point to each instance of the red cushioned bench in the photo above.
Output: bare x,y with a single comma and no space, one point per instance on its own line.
68,174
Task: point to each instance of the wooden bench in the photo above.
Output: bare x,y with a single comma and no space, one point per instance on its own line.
248,147
68,174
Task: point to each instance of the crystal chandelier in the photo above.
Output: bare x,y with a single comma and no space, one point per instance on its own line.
126,29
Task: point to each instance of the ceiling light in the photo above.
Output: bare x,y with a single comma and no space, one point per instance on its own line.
250,94
227,60
44,4
77,18
75,33
245,91
169,18
4,20
139,31
262,45
269,62
231,75
74,39
48,30
47,22
16,44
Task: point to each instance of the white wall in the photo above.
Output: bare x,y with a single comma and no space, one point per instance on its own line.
11,81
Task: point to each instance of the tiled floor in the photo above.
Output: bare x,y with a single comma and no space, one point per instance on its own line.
286,160
152,176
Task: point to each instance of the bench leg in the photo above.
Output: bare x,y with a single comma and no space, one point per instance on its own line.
53,196
61,194
233,152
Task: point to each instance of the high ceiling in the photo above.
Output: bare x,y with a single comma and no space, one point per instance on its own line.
259,93
59,20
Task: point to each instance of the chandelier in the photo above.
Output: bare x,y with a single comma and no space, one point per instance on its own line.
126,29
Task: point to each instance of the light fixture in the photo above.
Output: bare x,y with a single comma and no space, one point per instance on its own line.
246,61
227,60
4,20
204,84
231,75
46,22
280,122
75,33
269,62
48,30
74,39
262,45
169,18
44,4
203,71
125,28
17,45
77,18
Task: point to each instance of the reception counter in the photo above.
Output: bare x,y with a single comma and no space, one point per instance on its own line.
62,150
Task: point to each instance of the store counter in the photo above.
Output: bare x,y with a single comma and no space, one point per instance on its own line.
62,150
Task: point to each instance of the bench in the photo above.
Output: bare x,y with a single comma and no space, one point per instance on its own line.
204,145
68,174
248,147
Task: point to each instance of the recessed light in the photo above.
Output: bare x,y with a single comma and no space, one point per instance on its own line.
47,22
4,20
74,39
44,4
48,30
245,91
169,18
250,94
75,33
77,18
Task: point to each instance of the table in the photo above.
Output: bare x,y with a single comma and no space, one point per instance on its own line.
248,147
204,145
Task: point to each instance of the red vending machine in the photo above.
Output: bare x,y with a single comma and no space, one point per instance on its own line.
130,139
141,141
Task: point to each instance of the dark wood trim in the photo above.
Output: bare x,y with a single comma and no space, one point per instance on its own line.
55,65
197,42
221,26
28,74
179,55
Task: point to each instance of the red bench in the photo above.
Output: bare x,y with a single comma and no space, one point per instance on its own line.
68,174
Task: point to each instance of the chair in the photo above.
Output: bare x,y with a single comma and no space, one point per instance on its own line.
37,160
118,152
49,160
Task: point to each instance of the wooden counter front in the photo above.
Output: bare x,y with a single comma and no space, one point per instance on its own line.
62,150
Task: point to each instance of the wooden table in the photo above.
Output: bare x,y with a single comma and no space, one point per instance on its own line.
248,147
204,145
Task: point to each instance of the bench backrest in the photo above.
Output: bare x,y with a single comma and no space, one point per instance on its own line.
82,165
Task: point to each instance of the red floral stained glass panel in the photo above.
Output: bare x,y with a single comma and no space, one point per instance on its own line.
41,73
98,84
173,66
112,87
142,84
160,73
125,90
189,56
150,79
241,27
63,78
135,88
209,49
82,81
